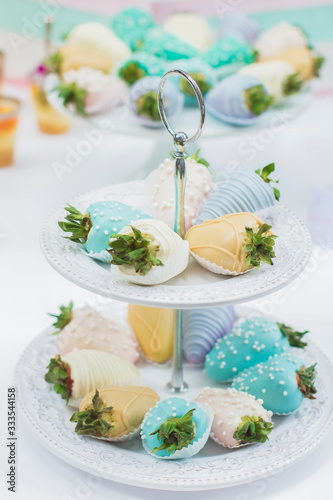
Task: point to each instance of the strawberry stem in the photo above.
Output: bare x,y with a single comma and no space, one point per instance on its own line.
95,420
65,317
294,338
131,72
147,105
175,433
59,375
201,81
135,251
70,93
259,244
257,100
252,430
78,224
292,84
305,380
264,174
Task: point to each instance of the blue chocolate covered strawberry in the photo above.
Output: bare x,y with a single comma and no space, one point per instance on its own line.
282,382
251,342
93,229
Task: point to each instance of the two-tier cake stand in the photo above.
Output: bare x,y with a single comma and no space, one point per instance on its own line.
294,436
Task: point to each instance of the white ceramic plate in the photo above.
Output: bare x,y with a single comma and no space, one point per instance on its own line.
195,287
293,438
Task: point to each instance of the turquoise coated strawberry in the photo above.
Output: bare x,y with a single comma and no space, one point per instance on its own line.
250,342
93,229
282,382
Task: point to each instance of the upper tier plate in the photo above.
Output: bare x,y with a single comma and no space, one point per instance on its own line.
195,287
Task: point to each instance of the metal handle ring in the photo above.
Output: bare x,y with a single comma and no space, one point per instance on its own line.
200,100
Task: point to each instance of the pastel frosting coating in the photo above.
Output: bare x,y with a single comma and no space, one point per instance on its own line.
272,74
90,330
173,99
147,64
229,406
160,190
153,328
91,369
239,25
131,25
170,248
301,58
98,38
248,343
228,50
279,38
221,241
129,403
274,381
108,217
175,407
191,28
226,101
242,191
202,73
166,45
202,328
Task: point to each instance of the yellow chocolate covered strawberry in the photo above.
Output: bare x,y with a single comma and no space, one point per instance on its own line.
153,327
305,62
232,244
113,413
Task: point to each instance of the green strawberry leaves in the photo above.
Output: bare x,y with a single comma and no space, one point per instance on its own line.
70,93
94,421
135,251
78,224
265,173
175,433
259,245
132,72
147,105
317,65
294,338
257,100
59,375
305,380
292,84
253,430
53,63
65,317
200,79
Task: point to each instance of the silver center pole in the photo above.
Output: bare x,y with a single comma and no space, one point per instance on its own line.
177,384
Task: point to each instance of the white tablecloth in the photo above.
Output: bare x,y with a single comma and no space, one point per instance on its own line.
30,191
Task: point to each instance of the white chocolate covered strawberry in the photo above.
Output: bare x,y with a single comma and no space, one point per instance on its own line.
160,189
147,253
239,418
85,328
279,78
80,372
281,37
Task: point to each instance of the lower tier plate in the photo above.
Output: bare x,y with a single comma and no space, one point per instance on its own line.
195,287
47,416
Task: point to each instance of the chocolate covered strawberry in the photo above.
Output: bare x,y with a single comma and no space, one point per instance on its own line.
239,418
282,382
232,244
93,228
80,372
250,342
86,328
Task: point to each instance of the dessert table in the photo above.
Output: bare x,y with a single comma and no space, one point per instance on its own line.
37,184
